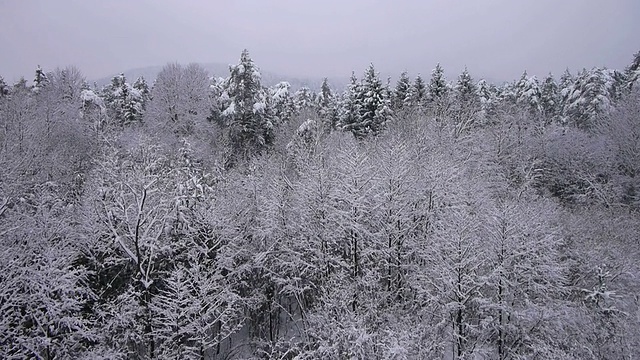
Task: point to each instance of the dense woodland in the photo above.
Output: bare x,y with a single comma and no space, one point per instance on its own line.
214,218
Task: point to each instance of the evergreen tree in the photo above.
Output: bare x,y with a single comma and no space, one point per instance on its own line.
488,95
247,114
145,94
438,91
590,99
40,80
550,99
565,87
528,95
401,92
349,115
283,104
304,99
326,105
617,82
4,88
632,72
375,111
467,102
465,90
124,103
417,93
326,95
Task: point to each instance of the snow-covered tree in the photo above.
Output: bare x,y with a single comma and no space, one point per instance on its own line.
350,109
488,95
632,72
528,95
454,275
143,88
524,287
590,99
565,88
550,99
40,80
438,91
124,102
4,88
44,291
179,102
283,104
93,109
304,99
304,141
327,106
401,91
417,94
466,104
375,110
247,113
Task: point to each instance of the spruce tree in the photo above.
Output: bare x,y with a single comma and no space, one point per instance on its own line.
375,111
304,99
401,91
590,98
550,99
438,91
326,106
283,104
528,94
467,102
40,80
349,118
632,72
247,114
417,93
565,88
488,96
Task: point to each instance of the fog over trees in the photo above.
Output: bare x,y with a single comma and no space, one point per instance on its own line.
440,216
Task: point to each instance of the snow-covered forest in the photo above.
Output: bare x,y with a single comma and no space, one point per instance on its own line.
207,217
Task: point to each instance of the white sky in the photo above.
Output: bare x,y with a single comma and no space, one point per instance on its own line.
497,39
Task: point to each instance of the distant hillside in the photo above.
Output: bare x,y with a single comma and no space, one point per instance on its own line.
221,70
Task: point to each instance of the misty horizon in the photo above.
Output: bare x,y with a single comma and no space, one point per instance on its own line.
497,40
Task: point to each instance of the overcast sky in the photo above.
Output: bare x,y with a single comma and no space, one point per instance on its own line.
497,39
